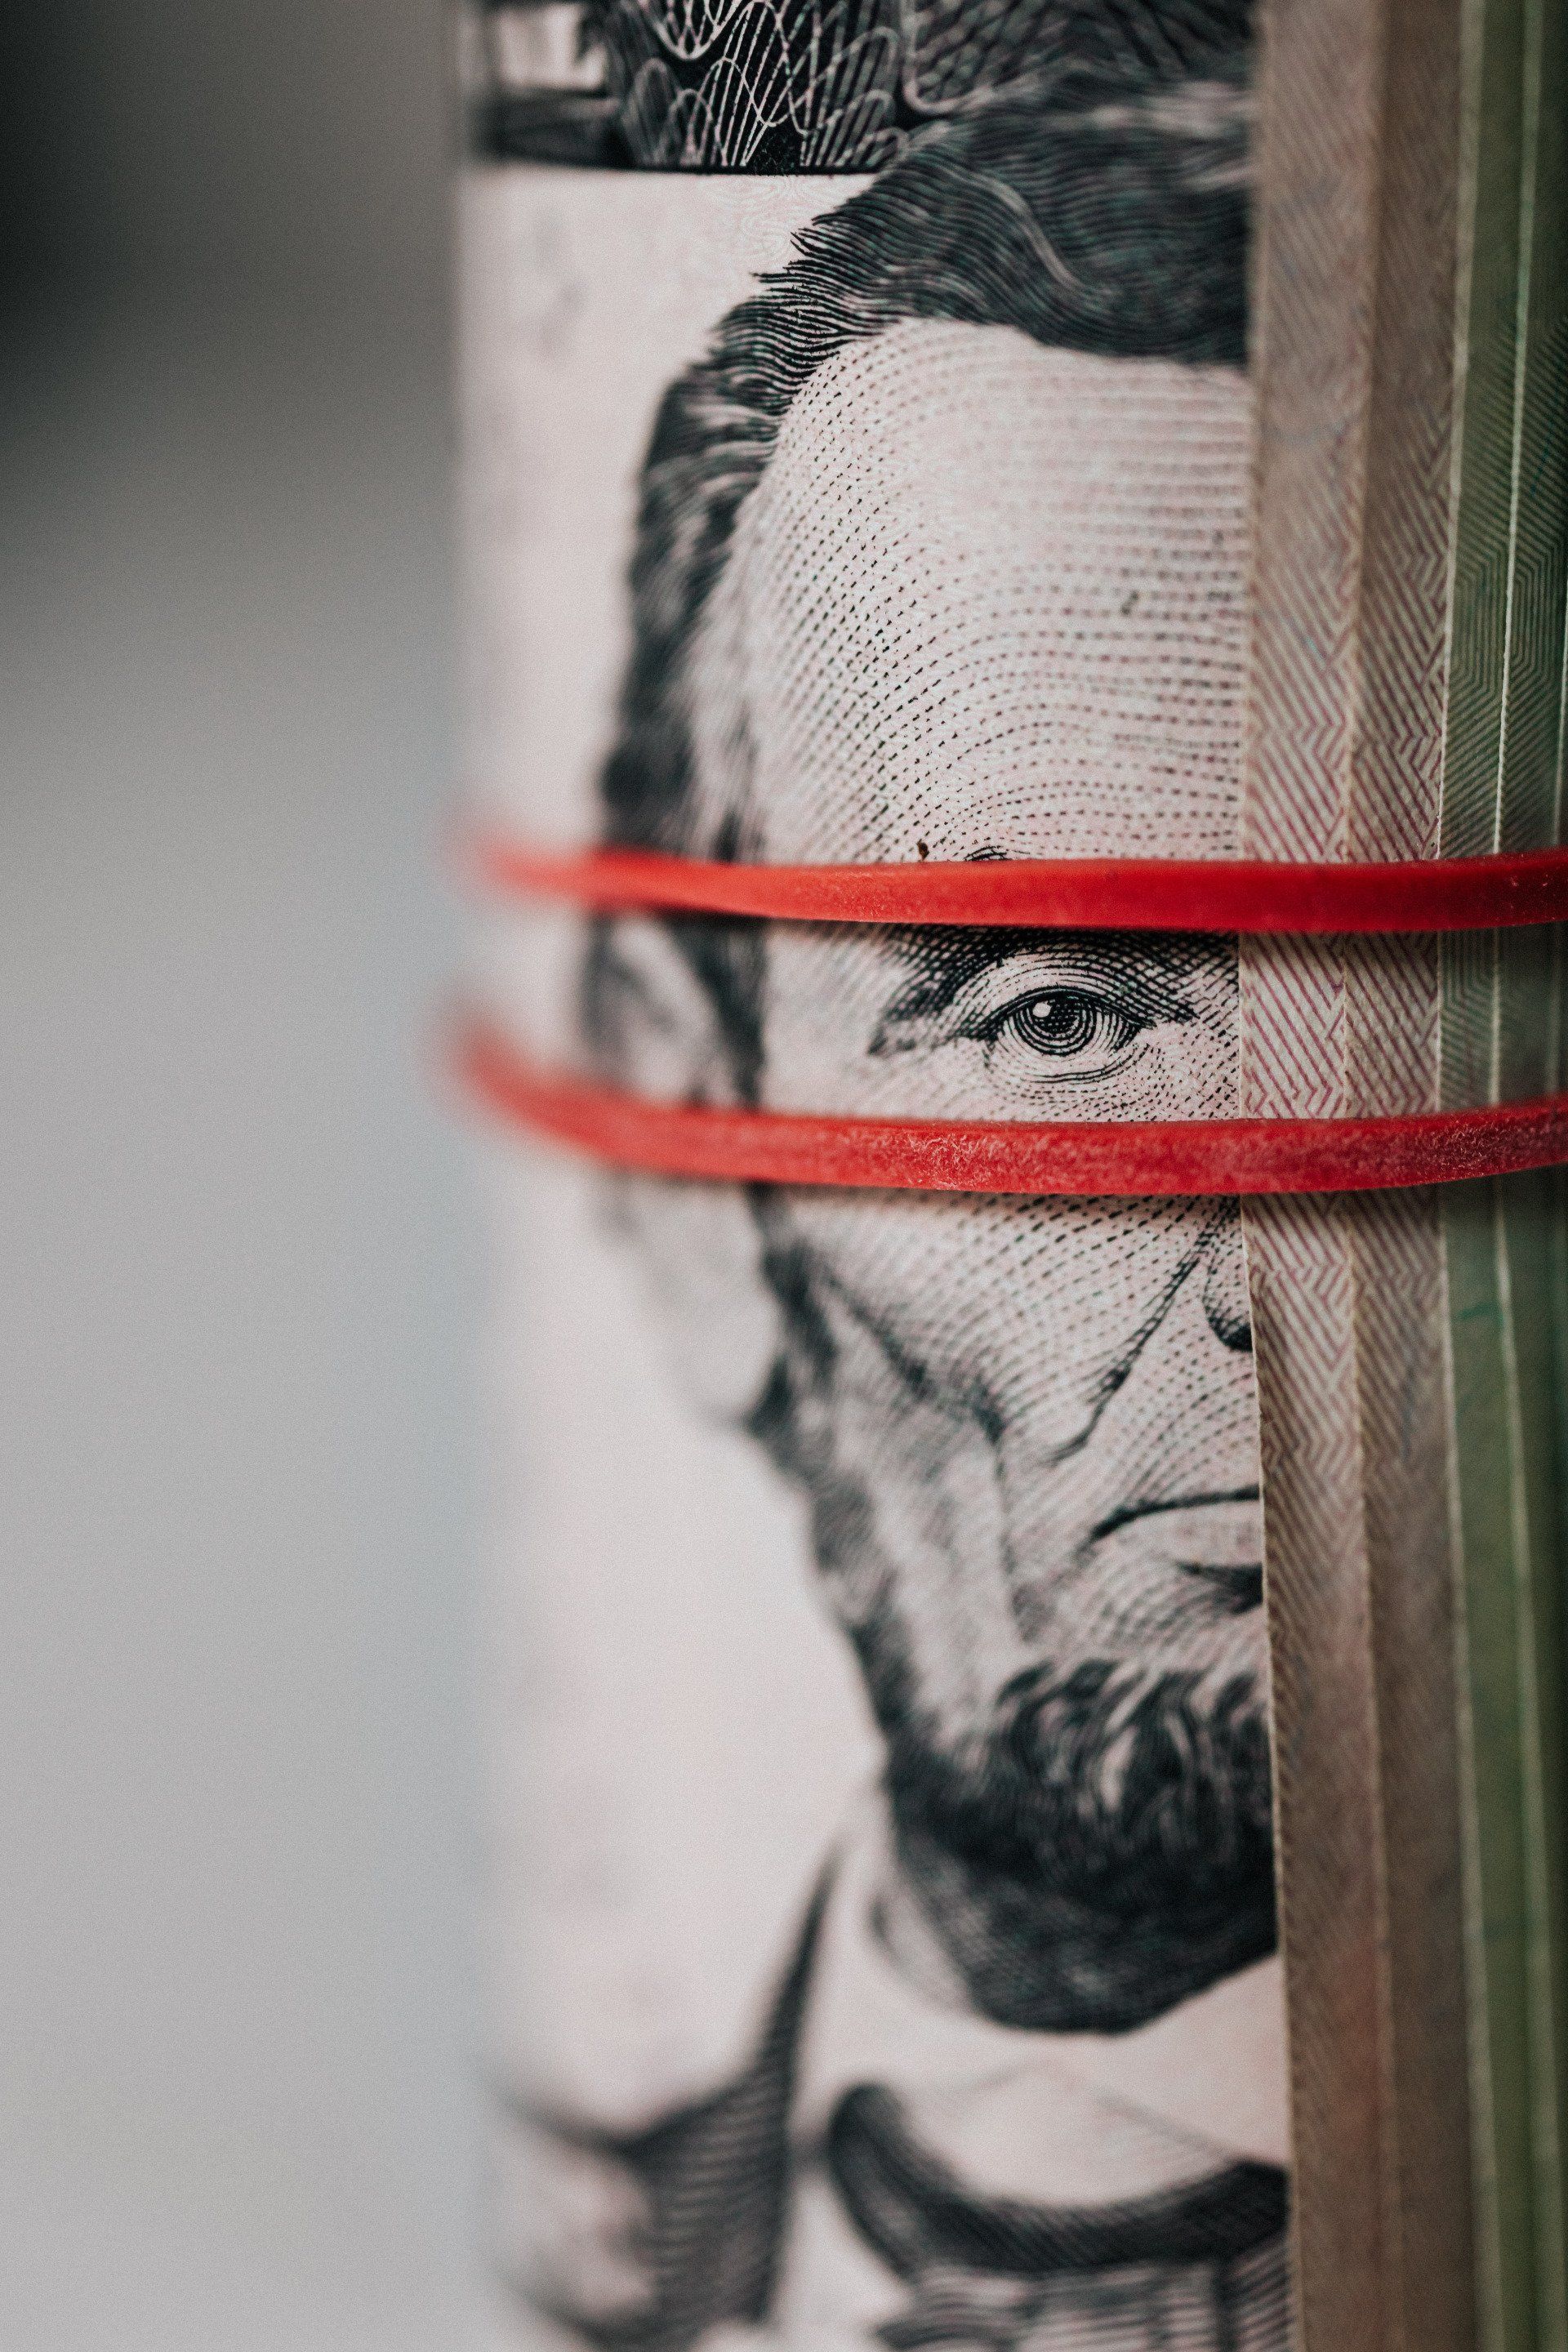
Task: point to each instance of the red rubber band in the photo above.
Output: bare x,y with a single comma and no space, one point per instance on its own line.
1151,1159
1119,894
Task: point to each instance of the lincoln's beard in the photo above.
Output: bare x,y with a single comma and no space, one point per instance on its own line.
1095,1847
1099,1852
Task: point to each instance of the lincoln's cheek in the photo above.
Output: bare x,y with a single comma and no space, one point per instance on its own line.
1029,1314
1136,1528
910,1521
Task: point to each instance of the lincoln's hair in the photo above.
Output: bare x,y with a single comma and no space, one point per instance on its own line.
1117,228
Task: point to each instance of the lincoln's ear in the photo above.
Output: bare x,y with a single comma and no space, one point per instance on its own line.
661,1030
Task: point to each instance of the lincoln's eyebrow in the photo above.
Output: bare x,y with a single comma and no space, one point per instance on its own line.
942,961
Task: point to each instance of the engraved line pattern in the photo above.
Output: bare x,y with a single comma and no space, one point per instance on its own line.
802,85
1345,737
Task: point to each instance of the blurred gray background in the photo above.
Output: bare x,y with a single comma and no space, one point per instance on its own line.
236,1278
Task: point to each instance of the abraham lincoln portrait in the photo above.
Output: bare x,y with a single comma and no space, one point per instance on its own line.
941,553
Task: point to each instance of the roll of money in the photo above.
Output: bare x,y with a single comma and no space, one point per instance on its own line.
1026,1731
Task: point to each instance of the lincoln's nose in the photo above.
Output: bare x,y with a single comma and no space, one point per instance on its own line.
1224,1287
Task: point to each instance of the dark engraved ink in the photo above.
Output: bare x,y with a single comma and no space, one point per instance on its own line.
800,85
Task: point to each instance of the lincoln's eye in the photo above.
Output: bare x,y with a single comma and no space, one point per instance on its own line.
1067,1024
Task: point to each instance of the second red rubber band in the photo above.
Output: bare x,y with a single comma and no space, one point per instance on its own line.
1148,1158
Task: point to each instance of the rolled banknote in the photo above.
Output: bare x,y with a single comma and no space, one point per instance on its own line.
885,443
1505,1243
1406,700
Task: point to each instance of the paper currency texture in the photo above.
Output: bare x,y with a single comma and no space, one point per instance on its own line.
964,1667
